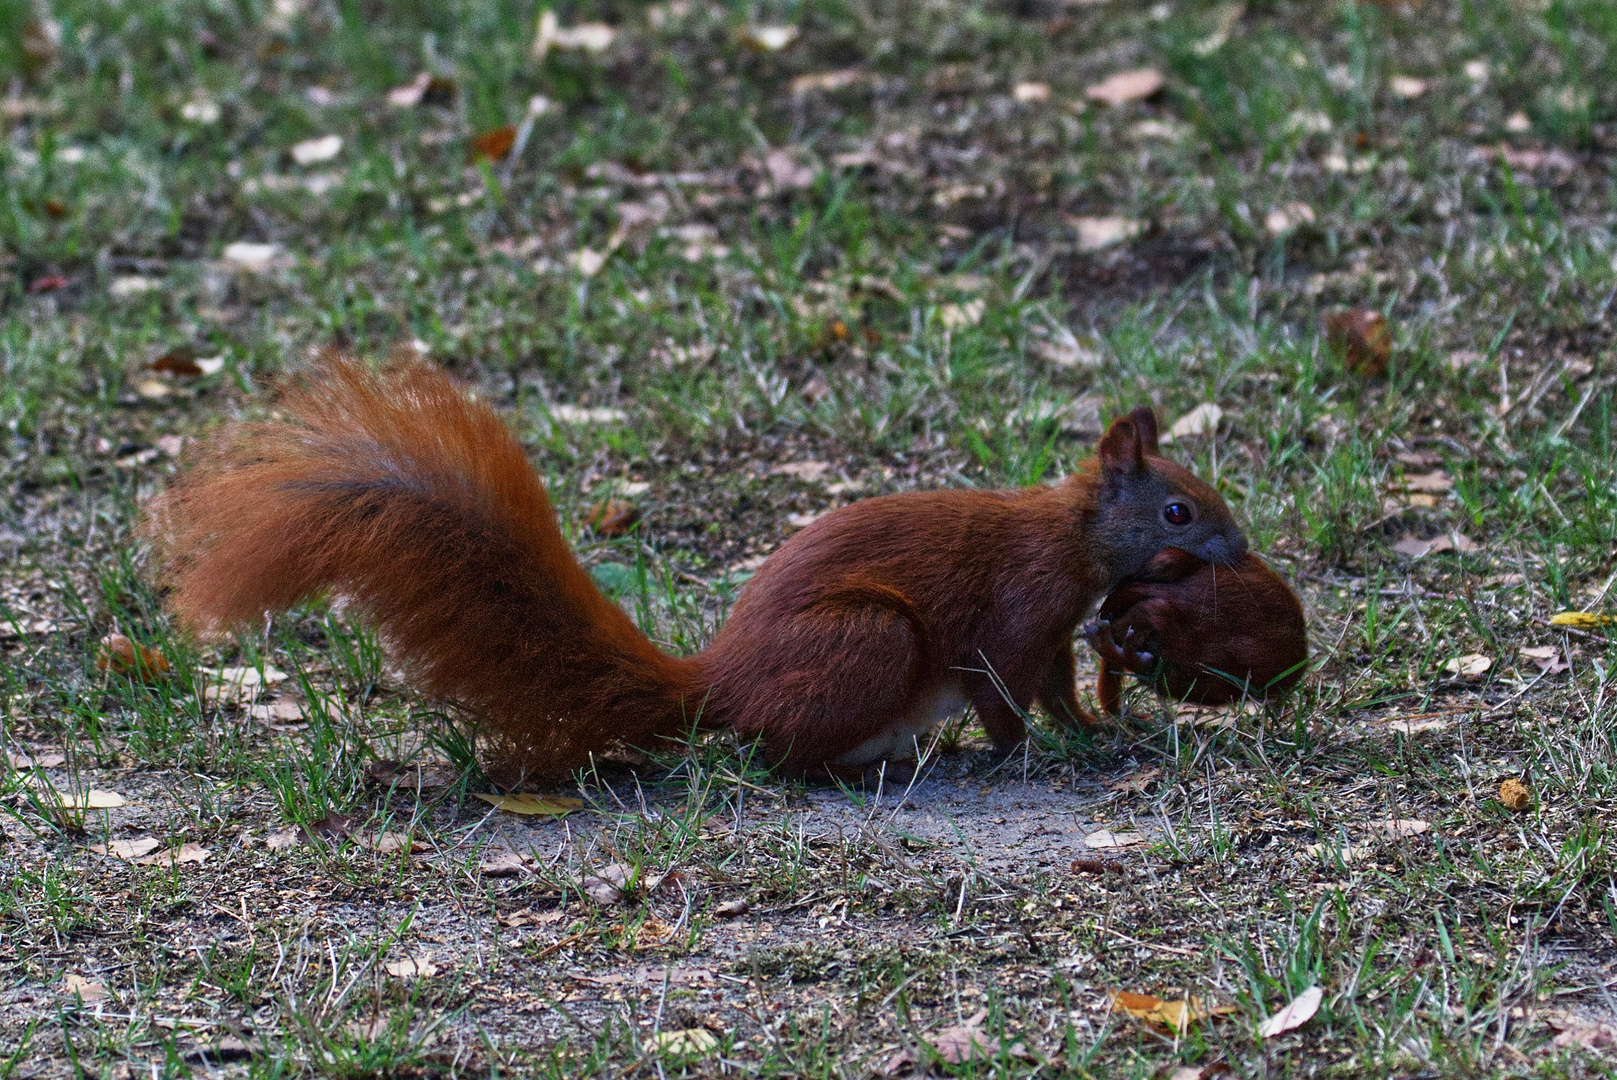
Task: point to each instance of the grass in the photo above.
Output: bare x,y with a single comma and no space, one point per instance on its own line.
882,273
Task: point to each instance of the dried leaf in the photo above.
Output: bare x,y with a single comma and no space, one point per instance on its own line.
500,864
132,285
1284,219
959,316
1469,666
1031,93
785,172
612,517
1398,827
122,656
1515,795
281,714
1300,1010
1547,658
525,803
1362,339
1097,233
1105,839
492,145
1126,87
960,1043
609,885
1176,1015
1582,620
315,151
128,850
424,89
180,362
412,967
1406,87
282,839
1435,482
1202,420
1136,781
826,81
769,38
588,261
185,853
732,909
86,990
688,1042
593,38
810,472
252,257
389,843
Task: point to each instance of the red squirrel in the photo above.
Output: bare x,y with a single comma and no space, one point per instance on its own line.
412,501
1200,632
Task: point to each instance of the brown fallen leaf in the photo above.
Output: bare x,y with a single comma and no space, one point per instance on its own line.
1297,1012
1104,839
1399,827
613,517
732,909
1547,658
179,361
826,81
492,145
92,799
1469,666
389,843
84,989
528,804
47,760
122,656
1126,87
500,864
128,850
962,1042
1135,781
1362,339
412,967
609,885
185,853
282,839
1515,795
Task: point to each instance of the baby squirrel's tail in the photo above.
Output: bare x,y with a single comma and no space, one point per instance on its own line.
414,503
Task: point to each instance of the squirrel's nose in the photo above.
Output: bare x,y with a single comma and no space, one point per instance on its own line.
1224,550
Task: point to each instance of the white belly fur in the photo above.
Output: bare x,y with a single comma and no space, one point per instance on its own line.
900,740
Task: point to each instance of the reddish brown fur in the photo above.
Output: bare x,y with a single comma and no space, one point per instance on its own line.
415,503
1203,622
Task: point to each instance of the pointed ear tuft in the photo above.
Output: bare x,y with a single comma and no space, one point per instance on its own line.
1120,449
1146,421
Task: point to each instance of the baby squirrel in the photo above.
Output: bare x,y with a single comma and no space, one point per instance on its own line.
1200,632
412,501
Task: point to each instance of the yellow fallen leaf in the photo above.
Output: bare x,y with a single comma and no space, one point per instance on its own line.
688,1041
1177,1014
524,803
1582,620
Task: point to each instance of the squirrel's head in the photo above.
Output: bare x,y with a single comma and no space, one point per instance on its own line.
1147,503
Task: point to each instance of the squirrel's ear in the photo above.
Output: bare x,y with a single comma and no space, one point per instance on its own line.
1120,448
1146,422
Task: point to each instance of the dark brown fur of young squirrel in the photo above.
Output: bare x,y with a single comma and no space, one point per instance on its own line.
413,502
1192,626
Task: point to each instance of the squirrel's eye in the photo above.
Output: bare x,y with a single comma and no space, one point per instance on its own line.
1178,513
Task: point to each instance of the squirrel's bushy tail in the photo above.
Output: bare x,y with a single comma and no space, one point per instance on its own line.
414,503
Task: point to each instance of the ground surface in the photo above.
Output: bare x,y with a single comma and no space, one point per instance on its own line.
904,249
